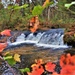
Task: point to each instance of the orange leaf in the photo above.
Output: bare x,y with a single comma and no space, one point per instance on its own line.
55,73
2,46
6,32
47,1
50,67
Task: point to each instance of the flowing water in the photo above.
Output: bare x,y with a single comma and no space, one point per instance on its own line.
47,45
52,38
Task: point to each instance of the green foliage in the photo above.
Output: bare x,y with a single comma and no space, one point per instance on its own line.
1,6
15,7
9,58
69,5
37,10
4,15
62,18
11,61
19,15
61,15
72,10
25,70
61,5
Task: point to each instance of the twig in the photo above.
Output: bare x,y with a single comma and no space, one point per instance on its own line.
8,66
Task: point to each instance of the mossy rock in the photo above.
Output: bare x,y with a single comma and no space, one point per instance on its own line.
69,39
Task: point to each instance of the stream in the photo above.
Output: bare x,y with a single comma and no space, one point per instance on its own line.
47,45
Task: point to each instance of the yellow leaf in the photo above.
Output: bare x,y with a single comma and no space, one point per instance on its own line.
39,61
6,53
33,65
17,57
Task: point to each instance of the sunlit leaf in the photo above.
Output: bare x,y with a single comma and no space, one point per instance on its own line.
70,4
73,2
67,5
17,57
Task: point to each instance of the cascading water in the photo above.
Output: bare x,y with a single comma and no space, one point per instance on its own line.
52,38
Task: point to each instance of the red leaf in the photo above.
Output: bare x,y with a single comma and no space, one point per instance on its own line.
36,70
62,59
72,60
68,58
67,70
6,32
2,46
50,67
55,73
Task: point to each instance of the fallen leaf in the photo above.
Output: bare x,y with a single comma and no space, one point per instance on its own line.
6,53
2,46
6,32
17,57
50,67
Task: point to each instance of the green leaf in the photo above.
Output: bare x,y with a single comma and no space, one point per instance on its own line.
25,70
15,7
68,5
37,10
7,57
11,61
20,7
24,6
73,2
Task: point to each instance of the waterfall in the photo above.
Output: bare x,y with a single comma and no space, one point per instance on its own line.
20,38
52,38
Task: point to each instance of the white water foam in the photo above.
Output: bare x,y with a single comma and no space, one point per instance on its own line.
51,46
48,39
